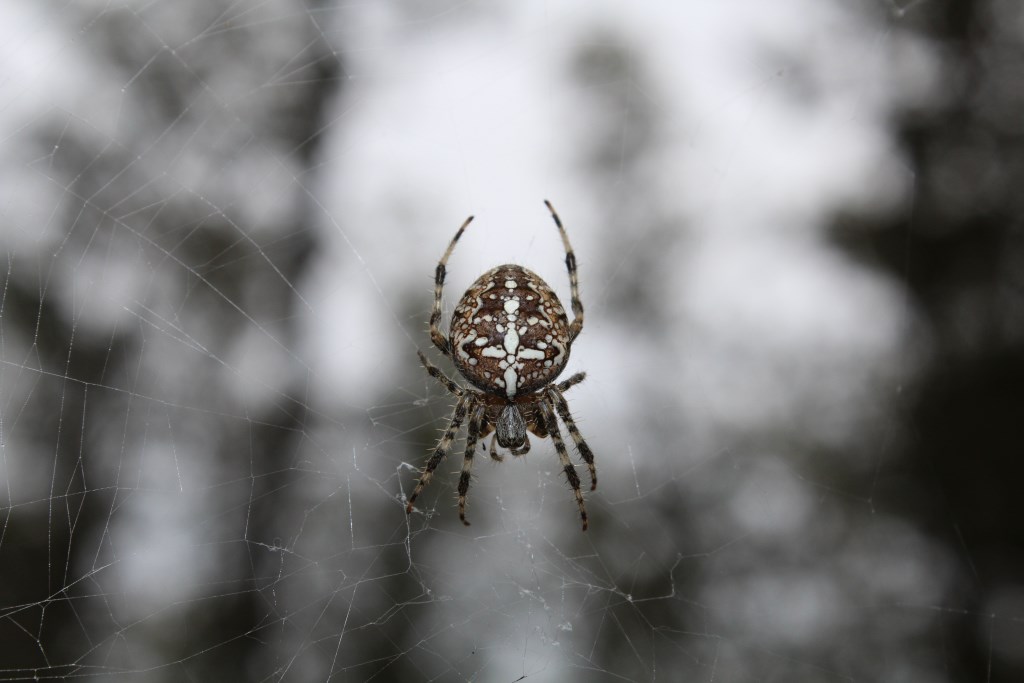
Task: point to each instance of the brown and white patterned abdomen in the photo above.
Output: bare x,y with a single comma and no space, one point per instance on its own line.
510,333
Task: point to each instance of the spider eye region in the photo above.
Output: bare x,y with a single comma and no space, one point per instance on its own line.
509,333
511,427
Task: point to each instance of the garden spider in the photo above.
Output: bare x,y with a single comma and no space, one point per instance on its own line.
511,339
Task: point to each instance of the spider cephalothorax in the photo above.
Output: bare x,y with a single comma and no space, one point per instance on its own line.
510,338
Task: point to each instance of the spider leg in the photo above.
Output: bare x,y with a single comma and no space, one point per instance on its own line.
556,398
467,460
487,429
521,451
570,263
572,381
494,450
563,456
439,338
443,447
437,374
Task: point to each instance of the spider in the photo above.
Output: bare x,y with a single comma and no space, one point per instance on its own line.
510,338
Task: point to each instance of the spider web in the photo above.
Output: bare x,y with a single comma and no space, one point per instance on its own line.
220,222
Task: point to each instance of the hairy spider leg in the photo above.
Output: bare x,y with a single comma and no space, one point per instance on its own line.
439,375
555,394
439,338
475,418
495,456
576,326
572,381
443,447
563,456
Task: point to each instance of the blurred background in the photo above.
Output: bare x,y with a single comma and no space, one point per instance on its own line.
801,253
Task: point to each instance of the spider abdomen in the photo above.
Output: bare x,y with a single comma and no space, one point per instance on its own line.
509,333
